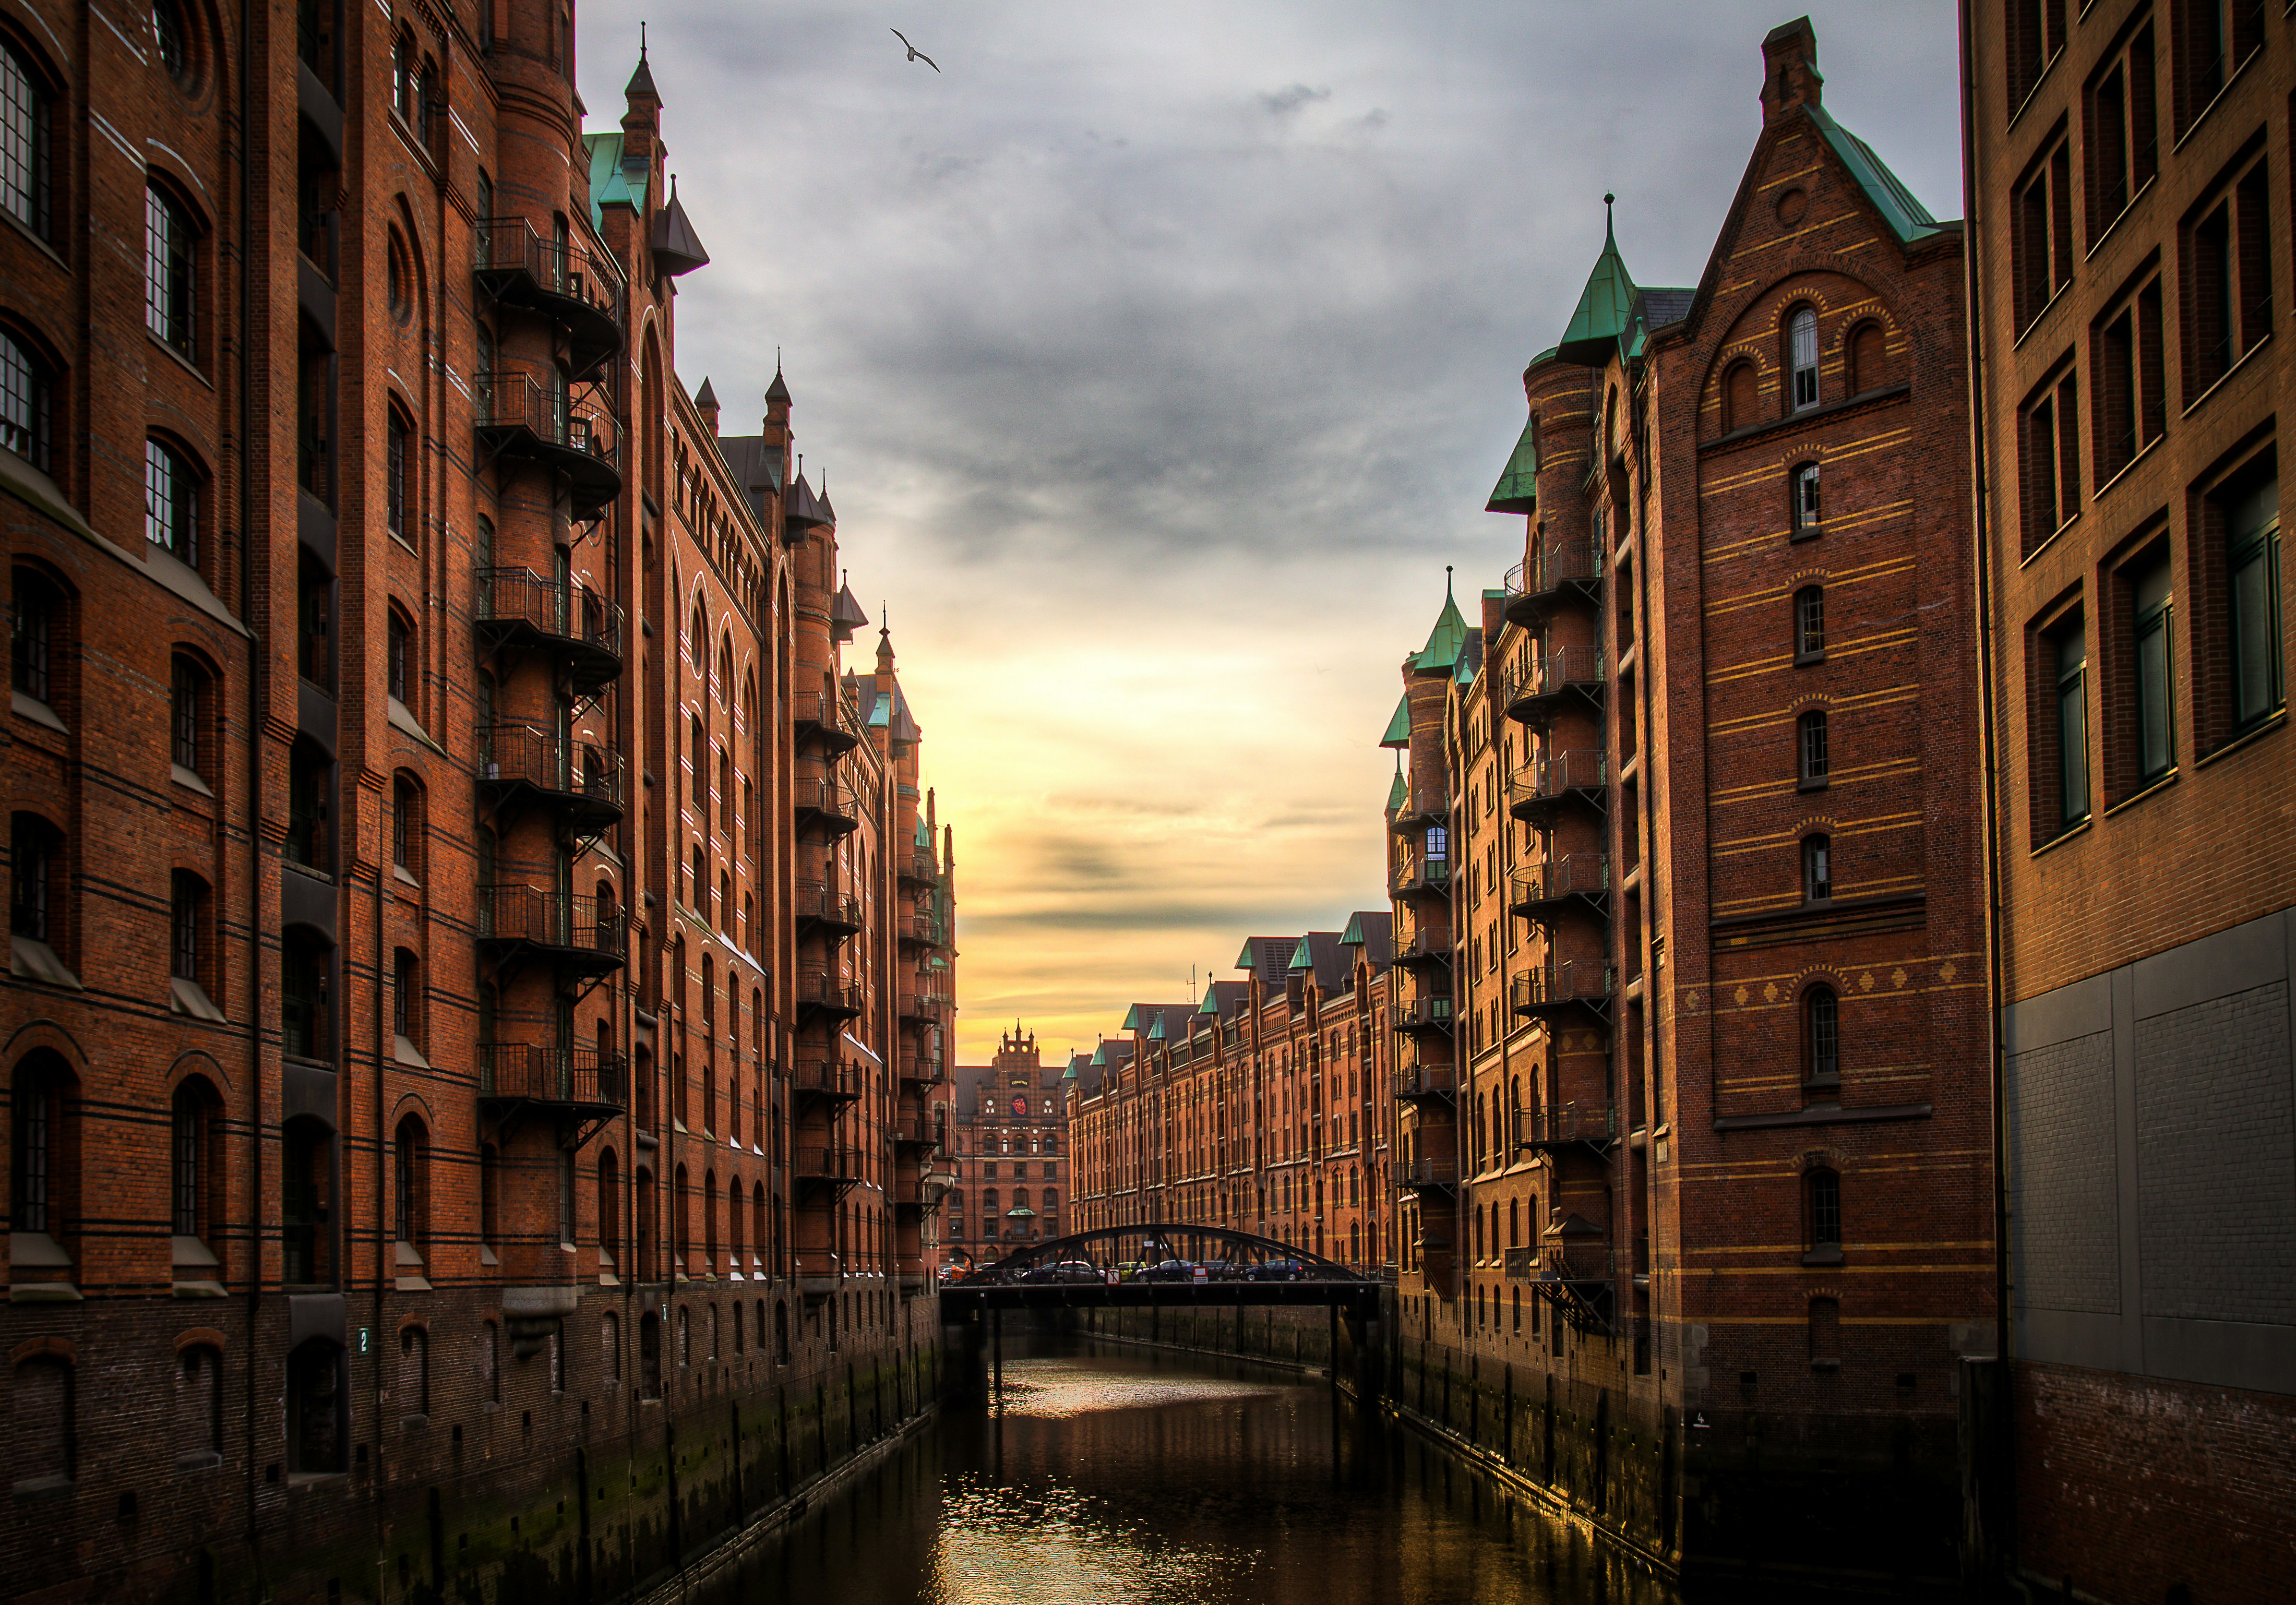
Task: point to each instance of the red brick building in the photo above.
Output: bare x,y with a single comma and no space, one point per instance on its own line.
1006,1162
502,1027
1698,1197
2130,229
1260,1109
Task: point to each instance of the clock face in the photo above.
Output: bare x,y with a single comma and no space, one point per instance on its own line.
1020,1106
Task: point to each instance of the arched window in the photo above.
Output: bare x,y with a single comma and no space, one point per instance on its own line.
1741,392
610,1346
409,1183
758,1230
1818,868
171,37
399,632
40,1423
1820,1031
407,826
685,1336
188,745
1810,747
708,1217
25,113
1809,623
697,647
725,687
413,1396
171,502
1869,358
170,252
39,625
404,70
396,504
40,1171
27,388
191,1147
1822,1210
1801,356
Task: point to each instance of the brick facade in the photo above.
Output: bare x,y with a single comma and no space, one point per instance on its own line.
2130,226
480,955
1010,1176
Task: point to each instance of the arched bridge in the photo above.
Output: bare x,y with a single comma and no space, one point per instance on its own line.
1161,1264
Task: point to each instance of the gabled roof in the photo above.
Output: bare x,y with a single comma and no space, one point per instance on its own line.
1300,958
1399,728
1907,216
1375,928
1449,634
610,183
1517,490
756,468
1267,957
1149,1018
1326,960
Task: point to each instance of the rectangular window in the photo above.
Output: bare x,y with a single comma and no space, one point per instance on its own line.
2120,131
1807,510
2128,407
1809,622
2041,223
1818,868
2151,640
23,141
2227,260
2069,661
2253,610
2049,427
394,476
168,269
2035,33
2212,39
183,927
183,715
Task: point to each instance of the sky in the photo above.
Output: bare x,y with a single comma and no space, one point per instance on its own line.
1159,359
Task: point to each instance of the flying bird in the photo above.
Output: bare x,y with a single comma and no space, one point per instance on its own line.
914,53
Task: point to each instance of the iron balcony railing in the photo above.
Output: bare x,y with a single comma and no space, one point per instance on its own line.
917,866
1426,1172
1577,1262
829,1164
926,1069
518,263
1572,875
1426,1080
823,714
1420,874
519,754
830,801
1523,1265
561,609
1421,806
573,922
1552,672
510,398
1414,1013
1425,945
824,1078
1549,567
541,1073
826,989
1553,985
828,905
1555,1125
920,1131
926,928
1556,775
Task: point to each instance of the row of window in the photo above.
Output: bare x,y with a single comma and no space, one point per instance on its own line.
2233,640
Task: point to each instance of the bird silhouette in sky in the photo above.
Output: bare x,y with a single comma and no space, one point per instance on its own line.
914,53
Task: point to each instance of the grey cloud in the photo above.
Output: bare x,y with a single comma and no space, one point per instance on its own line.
1286,101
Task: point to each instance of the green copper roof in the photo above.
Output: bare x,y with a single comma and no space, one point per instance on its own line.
1353,936
1099,1054
610,181
1606,308
1399,728
1463,671
881,715
1397,793
1445,641
1243,960
1300,959
1132,1017
1908,217
1207,1006
1517,490
1156,1031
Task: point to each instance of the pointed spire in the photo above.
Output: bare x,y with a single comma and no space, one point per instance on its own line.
885,645
1448,638
1606,306
779,389
1517,490
641,84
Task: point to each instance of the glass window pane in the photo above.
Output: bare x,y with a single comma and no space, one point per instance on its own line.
2153,746
22,125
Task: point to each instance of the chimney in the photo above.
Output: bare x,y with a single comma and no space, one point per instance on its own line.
1789,74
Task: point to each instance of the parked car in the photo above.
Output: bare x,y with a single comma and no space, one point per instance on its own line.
1223,1270
1276,1270
1171,1270
1064,1271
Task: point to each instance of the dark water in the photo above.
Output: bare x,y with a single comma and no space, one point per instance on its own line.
1113,1473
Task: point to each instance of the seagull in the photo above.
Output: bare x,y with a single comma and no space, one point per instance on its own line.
914,53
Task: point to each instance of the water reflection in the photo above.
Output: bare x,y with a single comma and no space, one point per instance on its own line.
1120,1475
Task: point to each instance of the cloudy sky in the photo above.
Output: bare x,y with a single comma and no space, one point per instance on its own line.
1160,357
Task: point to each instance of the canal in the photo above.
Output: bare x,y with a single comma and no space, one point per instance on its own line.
1115,1473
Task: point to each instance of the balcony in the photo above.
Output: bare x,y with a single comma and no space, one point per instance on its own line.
581,935
928,1001
1577,1279
1422,805
1417,1083
1558,1126
923,1070
1560,573
1426,1176
581,782
1425,948
518,266
826,805
581,1088
517,606
824,992
531,417
824,1081
924,930
832,1168
824,908
1543,681
919,1131
1537,890
820,718
1419,1015
1538,791
1421,876
1555,989
916,868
